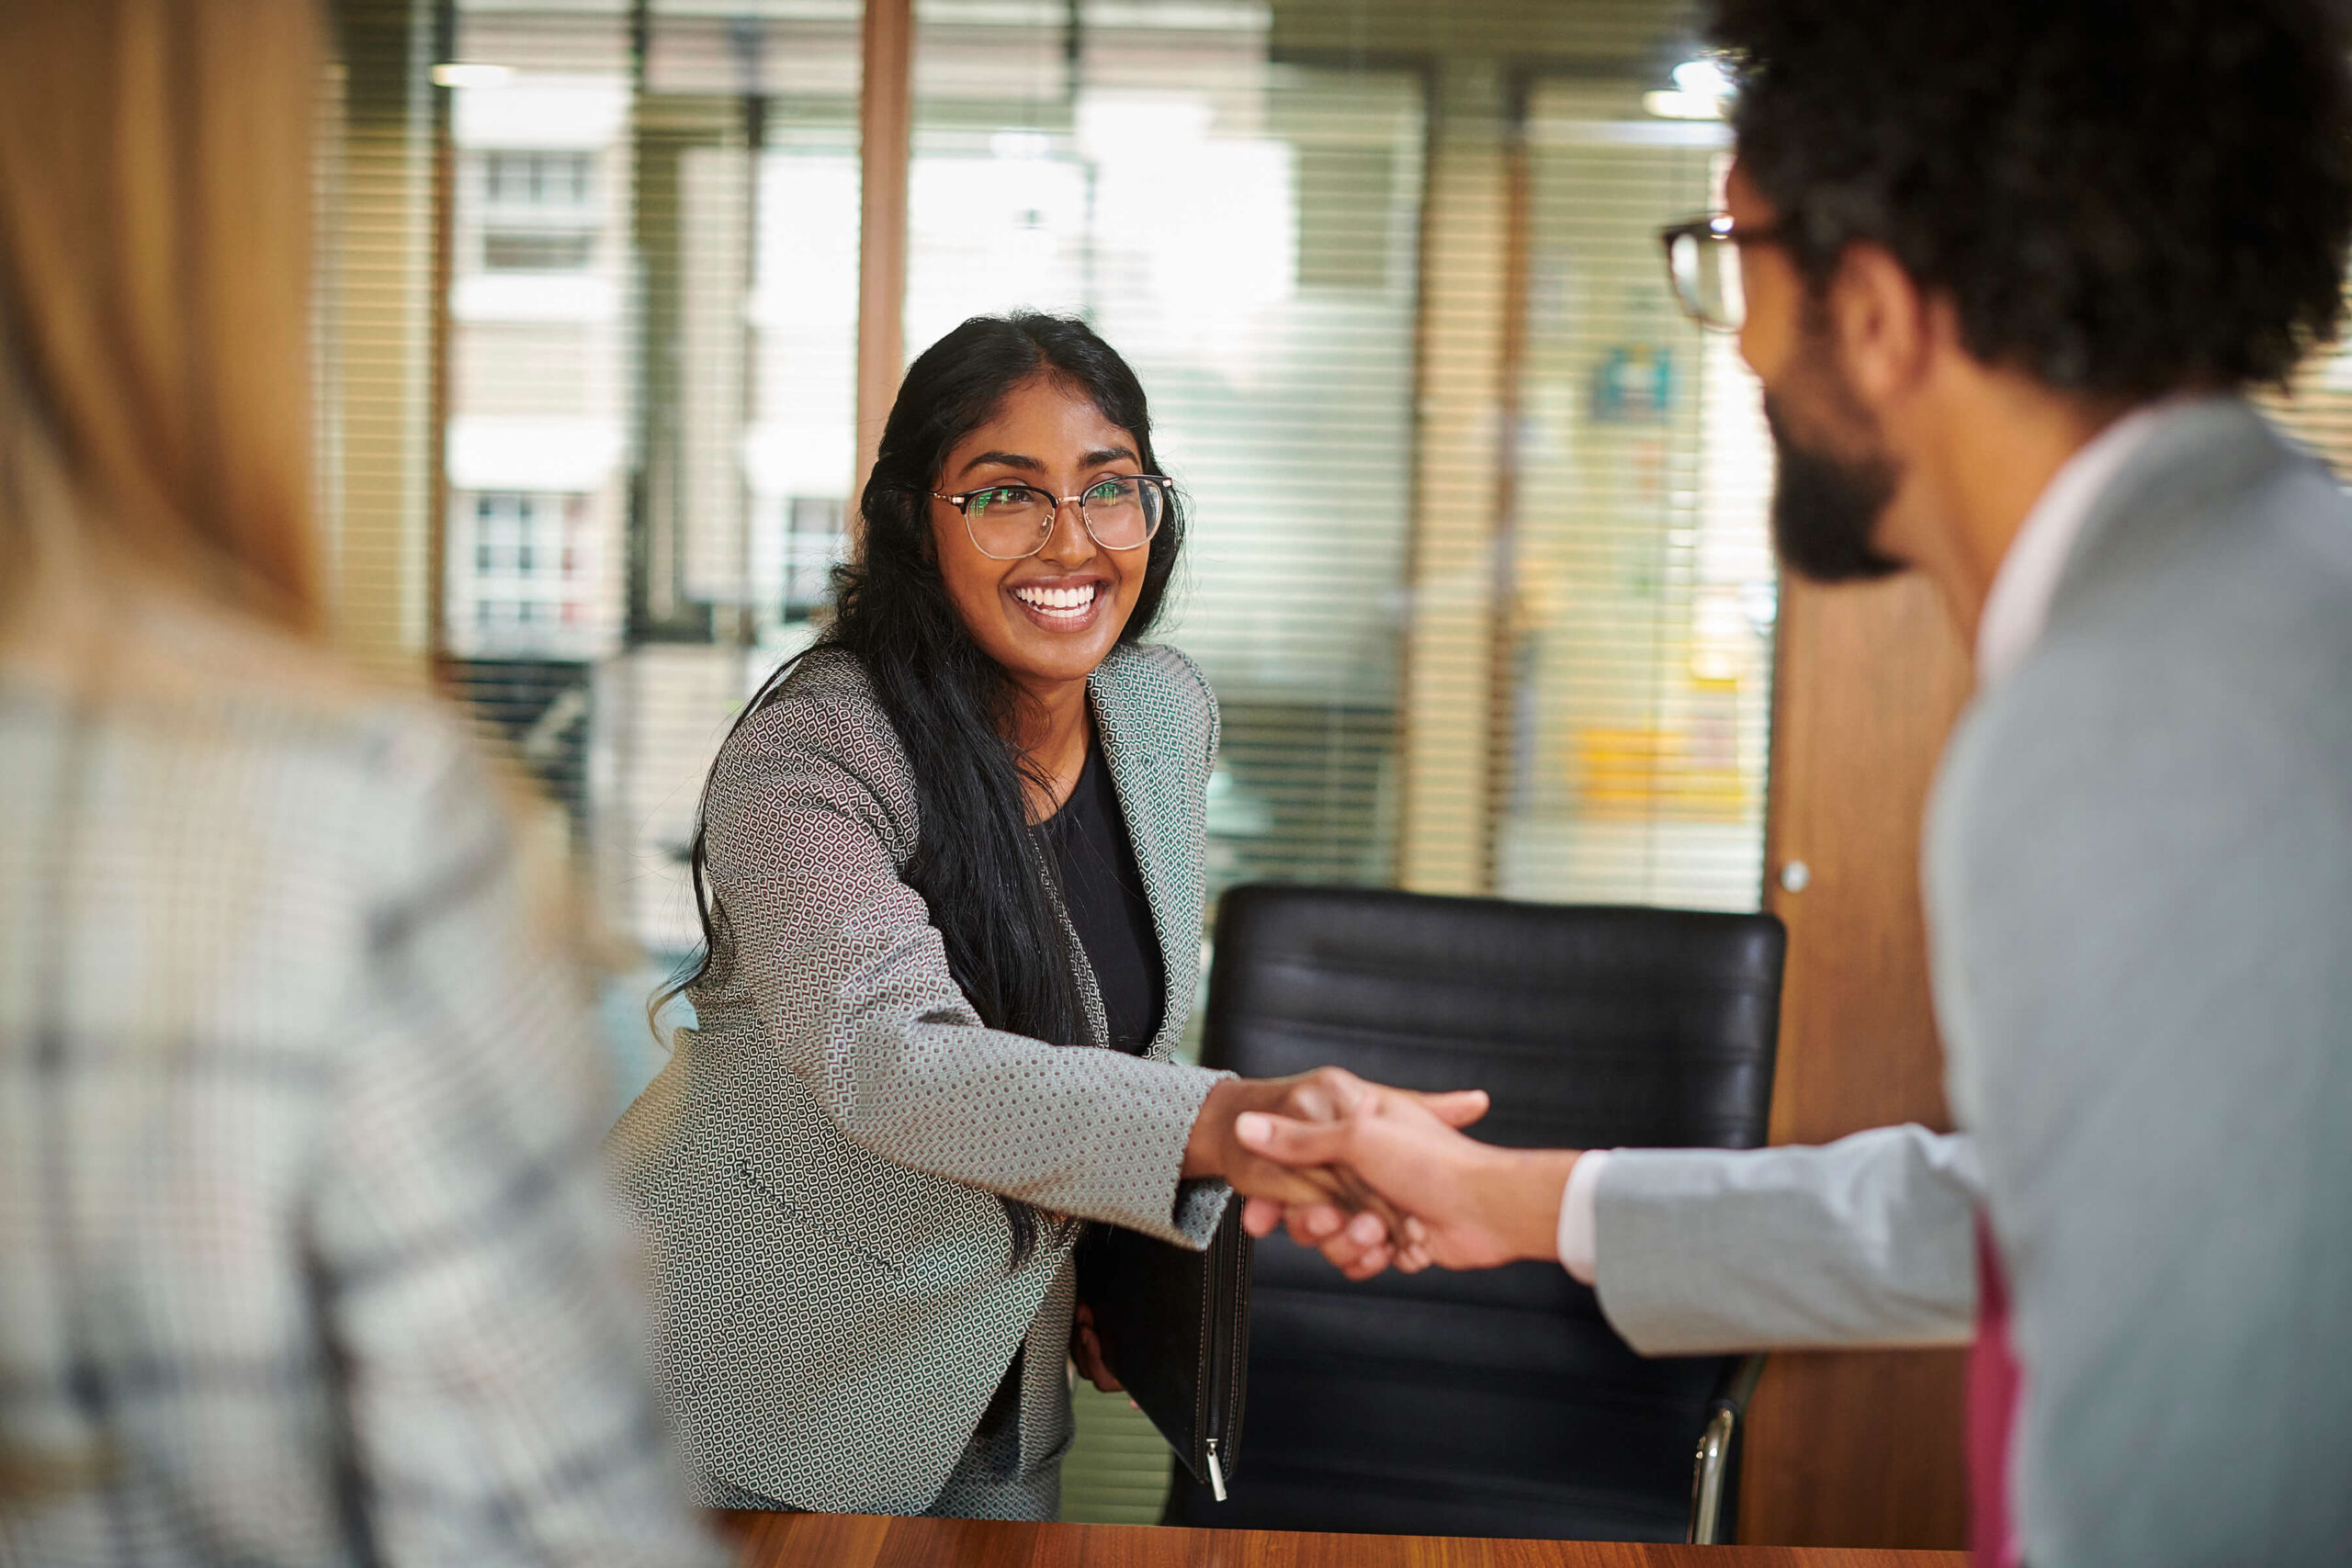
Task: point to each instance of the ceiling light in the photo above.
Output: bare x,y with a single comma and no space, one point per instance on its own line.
1682,105
456,75
1702,87
1704,77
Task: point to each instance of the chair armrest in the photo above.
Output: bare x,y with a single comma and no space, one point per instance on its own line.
1738,1384
1711,1470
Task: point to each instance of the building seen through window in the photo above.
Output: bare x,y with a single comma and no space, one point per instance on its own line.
513,179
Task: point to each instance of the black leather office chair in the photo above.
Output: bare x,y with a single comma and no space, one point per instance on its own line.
1494,1404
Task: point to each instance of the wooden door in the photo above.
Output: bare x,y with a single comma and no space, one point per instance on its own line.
1861,1449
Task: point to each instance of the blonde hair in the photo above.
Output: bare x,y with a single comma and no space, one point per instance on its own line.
155,201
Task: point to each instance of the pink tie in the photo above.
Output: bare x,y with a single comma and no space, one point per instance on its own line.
1993,1389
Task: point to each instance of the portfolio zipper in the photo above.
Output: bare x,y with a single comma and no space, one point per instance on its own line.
1224,1349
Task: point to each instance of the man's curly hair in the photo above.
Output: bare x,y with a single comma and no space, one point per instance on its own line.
2121,197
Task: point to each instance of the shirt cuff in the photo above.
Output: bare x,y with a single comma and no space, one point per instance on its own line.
1579,1239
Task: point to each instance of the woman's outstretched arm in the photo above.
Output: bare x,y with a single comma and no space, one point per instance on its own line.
851,981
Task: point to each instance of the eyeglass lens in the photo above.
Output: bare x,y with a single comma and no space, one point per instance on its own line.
1705,270
1010,521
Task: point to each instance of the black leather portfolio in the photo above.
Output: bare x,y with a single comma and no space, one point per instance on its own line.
1175,1327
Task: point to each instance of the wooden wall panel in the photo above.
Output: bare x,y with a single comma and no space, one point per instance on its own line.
1444,748
378,512
886,143
1861,1449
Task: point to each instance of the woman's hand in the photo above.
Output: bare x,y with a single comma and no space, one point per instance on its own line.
1315,1203
1086,1349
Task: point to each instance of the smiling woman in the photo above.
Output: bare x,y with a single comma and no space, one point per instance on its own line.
961,836
1047,580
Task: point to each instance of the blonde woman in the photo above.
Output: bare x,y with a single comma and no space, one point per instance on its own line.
303,1250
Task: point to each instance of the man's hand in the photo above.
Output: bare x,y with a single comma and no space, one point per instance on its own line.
1318,1203
1471,1205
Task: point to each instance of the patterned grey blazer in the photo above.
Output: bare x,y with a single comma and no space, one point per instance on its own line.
817,1168
306,1254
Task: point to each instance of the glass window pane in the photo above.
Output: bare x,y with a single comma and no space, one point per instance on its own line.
1243,233
1640,634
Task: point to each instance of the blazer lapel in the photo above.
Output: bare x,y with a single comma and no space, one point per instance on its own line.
1162,827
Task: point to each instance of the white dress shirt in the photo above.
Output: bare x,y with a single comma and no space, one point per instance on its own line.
2016,609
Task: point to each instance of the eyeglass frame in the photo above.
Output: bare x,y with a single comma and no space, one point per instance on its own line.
1719,227
963,505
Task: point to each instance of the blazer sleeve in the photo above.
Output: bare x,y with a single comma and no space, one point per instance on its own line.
850,979
1868,1241
485,1324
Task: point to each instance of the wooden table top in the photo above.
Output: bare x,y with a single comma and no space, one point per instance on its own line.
865,1540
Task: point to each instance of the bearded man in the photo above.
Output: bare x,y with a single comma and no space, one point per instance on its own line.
2004,271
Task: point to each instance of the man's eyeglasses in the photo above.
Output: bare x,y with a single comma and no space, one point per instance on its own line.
1702,266
1008,522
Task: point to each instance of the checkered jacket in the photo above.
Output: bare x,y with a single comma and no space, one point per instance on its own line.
305,1255
818,1169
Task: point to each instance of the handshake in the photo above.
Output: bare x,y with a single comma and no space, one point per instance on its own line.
1375,1178
1370,1177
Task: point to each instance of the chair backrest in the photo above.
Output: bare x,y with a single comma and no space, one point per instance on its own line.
1497,1403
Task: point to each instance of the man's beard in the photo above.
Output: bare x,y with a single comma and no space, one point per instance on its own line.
1826,507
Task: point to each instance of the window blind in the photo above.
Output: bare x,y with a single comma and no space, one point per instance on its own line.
2316,406
1643,585
1243,230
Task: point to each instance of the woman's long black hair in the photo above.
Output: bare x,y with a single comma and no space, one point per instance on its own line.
977,862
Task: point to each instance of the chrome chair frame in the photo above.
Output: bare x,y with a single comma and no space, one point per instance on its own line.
1710,1470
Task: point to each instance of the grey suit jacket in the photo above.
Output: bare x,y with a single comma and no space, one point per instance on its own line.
817,1169
2139,870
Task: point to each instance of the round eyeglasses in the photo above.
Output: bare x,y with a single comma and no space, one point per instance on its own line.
1702,265
1008,522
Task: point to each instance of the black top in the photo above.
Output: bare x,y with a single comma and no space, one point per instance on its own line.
1104,891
